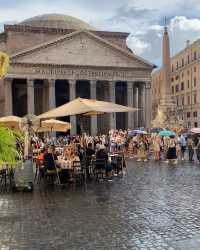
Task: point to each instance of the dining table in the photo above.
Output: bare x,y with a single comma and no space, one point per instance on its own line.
64,164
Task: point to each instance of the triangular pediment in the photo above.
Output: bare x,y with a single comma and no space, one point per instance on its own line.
80,48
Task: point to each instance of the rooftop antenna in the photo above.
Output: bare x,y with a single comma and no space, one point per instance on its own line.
165,21
165,24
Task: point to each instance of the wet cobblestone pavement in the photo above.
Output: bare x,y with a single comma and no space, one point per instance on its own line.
154,207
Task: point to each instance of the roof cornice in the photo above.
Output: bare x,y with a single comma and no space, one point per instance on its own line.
26,28
45,65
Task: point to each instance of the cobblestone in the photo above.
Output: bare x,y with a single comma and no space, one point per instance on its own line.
153,207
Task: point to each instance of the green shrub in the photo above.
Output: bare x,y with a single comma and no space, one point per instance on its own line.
8,145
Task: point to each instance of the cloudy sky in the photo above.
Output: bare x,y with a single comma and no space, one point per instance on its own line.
144,19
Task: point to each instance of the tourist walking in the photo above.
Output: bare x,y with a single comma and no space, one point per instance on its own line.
142,149
156,147
165,147
198,150
190,146
171,154
183,144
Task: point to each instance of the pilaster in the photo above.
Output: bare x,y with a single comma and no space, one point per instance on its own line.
8,96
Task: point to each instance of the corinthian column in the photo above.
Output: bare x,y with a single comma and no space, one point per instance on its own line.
148,104
141,102
52,95
112,99
72,96
135,98
130,104
93,118
8,96
30,96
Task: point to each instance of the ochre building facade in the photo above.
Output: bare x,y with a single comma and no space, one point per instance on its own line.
185,84
56,58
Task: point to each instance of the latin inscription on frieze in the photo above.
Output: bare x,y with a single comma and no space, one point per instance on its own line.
87,74
79,73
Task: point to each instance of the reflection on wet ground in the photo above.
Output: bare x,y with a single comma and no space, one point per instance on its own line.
155,206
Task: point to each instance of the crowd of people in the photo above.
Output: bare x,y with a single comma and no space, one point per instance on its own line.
142,147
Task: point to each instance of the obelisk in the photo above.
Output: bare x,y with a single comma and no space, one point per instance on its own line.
165,88
166,114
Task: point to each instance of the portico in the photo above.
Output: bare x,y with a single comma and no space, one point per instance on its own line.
136,95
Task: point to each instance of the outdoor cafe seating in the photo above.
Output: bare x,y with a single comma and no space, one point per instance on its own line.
66,171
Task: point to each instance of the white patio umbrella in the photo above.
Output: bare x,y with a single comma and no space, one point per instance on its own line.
53,125
85,107
12,122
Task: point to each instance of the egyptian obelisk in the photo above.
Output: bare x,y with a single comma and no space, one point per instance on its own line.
166,113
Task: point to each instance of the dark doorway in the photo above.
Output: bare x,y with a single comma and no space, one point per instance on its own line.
39,96
102,93
121,98
83,91
19,94
62,97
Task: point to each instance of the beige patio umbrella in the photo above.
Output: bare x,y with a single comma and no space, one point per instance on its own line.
53,125
12,122
85,107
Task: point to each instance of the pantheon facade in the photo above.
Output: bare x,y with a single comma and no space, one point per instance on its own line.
55,58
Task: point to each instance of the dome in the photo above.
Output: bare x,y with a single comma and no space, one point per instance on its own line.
57,21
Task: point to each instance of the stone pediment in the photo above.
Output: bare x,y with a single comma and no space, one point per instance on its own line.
80,48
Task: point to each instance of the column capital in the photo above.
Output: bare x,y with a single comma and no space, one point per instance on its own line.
93,82
7,80
112,83
72,82
52,82
30,83
129,84
148,85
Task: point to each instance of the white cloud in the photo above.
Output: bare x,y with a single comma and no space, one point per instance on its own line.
185,24
137,45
